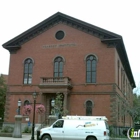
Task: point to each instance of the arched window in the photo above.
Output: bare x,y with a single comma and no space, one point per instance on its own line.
91,69
28,68
26,102
58,67
89,106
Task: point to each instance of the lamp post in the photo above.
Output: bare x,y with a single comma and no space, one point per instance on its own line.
33,125
17,133
52,102
56,108
52,117
19,105
53,105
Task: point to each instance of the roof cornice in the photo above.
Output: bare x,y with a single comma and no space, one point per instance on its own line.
13,49
53,21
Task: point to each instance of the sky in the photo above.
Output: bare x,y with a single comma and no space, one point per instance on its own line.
118,16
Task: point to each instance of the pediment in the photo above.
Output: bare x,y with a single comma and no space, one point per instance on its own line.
53,21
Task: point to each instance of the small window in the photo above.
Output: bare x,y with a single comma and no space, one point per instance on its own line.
26,102
118,111
89,106
59,35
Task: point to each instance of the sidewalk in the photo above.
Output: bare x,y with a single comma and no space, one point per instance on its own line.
24,137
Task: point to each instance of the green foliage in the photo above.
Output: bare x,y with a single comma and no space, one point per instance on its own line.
7,129
136,108
58,108
3,89
27,129
134,111
59,101
136,100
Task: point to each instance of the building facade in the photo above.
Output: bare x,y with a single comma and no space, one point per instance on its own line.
85,63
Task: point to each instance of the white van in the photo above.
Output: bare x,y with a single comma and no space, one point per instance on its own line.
77,128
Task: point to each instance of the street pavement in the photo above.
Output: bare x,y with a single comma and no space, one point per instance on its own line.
24,137
28,137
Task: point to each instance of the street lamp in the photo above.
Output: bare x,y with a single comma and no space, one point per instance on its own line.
52,102
53,107
19,105
33,125
17,133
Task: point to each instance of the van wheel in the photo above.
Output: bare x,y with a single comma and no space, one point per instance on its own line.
91,138
46,137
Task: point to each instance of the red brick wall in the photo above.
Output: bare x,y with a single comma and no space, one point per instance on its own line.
74,56
74,68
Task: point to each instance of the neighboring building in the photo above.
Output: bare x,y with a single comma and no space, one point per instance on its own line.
89,65
5,77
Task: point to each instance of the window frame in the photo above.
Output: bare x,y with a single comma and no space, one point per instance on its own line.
58,124
28,71
87,107
93,69
58,72
26,102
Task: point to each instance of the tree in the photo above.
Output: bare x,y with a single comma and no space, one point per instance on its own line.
3,89
134,111
58,107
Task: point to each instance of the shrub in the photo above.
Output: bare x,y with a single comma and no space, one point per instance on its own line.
7,129
27,129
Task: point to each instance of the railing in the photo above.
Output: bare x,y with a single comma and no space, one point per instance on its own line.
53,81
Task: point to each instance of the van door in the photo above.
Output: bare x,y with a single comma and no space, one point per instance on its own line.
57,130
72,131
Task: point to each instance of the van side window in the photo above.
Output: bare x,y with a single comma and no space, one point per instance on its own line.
58,124
107,127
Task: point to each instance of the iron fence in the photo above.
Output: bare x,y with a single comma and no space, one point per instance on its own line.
124,133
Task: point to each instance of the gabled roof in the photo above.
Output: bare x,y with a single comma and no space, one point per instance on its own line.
54,20
108,37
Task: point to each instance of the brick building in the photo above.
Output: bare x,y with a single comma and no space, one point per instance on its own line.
5,77
87,64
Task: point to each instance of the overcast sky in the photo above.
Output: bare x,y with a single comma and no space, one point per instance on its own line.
119,16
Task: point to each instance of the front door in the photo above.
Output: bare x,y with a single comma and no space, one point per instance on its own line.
57,132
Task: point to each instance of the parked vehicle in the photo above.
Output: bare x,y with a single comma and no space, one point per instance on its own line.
77,128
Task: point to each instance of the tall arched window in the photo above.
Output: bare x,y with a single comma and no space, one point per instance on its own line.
91,69
28,68
58,67
89,106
